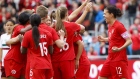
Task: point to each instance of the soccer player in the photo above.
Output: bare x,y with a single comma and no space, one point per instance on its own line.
63,59
14,61
116,65
9,25
42,11
82,63
39,42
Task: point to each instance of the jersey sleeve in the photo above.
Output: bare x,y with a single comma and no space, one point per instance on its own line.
76,38
17,30
25,41
54,35
50,40
121,30
76,27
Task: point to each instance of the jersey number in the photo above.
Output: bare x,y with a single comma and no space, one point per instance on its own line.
119,70
66,46
43,49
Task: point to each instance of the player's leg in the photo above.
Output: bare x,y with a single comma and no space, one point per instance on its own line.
57,72
3,75
49,74
23,72
11,77
41,74
102,77
13,69
67,69
105,71
27,74
22,77
119,70
83,72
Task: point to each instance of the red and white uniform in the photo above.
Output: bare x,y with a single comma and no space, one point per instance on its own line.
39,57
5,48
84,63
14,61
116,63
63,59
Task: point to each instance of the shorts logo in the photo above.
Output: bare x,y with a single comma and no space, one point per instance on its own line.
13,71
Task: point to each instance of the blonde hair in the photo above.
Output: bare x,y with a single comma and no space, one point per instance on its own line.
42,11
61,13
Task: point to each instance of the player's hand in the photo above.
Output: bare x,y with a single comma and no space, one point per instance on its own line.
101,38
61,33
76,64
115,49
20,37
88,6
85,2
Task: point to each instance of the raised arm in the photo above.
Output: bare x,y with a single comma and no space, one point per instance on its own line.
77,11
82,17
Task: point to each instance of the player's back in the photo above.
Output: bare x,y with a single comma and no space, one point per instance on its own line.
67,53
83,59
40,58
51,30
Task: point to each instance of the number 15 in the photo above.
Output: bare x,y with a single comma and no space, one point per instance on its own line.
43,49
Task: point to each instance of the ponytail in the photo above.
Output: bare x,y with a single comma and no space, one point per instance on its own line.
35,21
115,11
118,12
60,14
35,35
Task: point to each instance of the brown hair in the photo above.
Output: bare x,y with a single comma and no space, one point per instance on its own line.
114,10
60,14
42,11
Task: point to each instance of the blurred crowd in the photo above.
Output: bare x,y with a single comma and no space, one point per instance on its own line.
94,21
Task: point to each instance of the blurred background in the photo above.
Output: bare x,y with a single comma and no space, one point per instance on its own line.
94,23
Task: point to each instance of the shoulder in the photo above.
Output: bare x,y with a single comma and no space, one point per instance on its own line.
5,34
43,30
28,32
72,24
118,24
18,27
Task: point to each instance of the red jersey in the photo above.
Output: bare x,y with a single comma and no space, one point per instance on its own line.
51,30
116,33
67,53
40,58
83,59
14,53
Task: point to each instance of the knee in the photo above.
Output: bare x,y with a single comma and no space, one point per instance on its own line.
102,77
